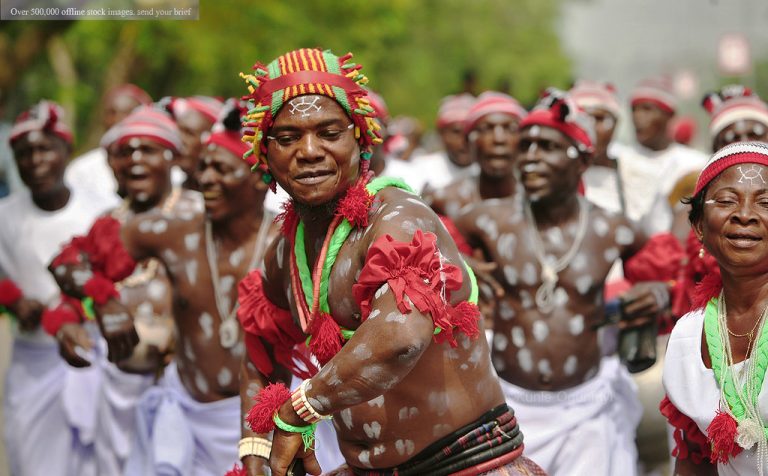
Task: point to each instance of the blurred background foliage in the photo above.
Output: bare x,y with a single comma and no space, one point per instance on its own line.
414,52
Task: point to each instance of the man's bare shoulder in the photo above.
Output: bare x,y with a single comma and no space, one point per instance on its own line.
276,270
185,210
399,213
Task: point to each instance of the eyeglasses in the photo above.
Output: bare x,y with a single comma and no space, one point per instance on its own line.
293,137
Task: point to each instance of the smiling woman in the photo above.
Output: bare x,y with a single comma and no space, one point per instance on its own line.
716,358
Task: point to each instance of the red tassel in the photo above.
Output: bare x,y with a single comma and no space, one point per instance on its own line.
107,252
9,292
236,471
708,288
721,433
53,319
268,401
356,204
466,316
100,289
288,217
326,338
70,253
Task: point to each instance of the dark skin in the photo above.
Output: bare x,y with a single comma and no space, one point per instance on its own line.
117,107
41,158
492,143
142,169
651,125
556,350
741,131
383,414
605,124
455,143
734,229
192,125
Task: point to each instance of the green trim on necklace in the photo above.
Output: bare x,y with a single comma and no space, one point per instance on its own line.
712,333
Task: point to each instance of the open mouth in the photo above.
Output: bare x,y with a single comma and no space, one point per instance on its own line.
312,177
210,195
138,173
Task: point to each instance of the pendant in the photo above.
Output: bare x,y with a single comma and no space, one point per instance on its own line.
229,333
748,433
545,295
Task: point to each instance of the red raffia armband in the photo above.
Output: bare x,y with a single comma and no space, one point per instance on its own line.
100,289
106,251
236,470
659,260
685,429
71,253
9,293
263,321
53,319
416,270
268,401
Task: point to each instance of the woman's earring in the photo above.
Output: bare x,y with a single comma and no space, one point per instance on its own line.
701,253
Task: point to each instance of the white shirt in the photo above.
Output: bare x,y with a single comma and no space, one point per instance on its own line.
693,390
440,171
91,174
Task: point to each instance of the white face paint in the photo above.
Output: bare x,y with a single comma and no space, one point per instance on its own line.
192,241
535,131
304,106
510,274
570,365
540,331
572,153
576,325
239,173
752,174
500,342
168,155
134,142
525,360
518,336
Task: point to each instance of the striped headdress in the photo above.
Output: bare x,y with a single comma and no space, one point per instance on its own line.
306,71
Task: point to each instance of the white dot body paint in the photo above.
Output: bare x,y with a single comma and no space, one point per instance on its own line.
192,241
279,249
404,447
506,312
343,266
525,360
441,429
377,402
190,268
200,382
544,367
624,235
535,131
159,226
500,342
226,283
81,276
579,262
239,349
518,336
379,449
372,430
583,284
236,257
134,142
506,245
189,353
362,352
510,274
529,275
169,256
540,331
576,325
365,458
239,173
555,235
346,417
476,355
380,292
156,290
145,310
438,402
570,365
526,301
600,226
60,271
395,316
485,222
561,297
499,363
225,377
206,324
145,226
374,313
611,254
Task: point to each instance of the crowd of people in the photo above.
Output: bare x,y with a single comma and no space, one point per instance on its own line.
284,284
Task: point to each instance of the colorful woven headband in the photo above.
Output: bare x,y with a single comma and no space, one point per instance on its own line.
596,94
730,155
43,116
132,91
209,107
454,109
227,132
491,102
658,91
557,110
307,71
732,104
147,122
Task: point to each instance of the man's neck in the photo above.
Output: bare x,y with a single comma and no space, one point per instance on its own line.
658,144
239,228
601,159
556,211
139,207
496,187
55,200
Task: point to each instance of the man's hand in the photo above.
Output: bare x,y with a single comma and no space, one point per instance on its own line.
116,325
71,277
287,446
28,312
74,344
644,302
255,466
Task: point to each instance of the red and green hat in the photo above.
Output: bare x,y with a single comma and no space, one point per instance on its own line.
300,72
